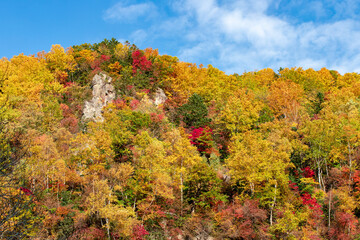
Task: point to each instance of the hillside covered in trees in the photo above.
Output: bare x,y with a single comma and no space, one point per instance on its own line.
164,149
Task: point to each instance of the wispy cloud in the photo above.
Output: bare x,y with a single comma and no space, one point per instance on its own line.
139,36
242,35
121,12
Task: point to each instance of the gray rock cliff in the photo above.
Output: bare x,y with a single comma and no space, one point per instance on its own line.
103,93
160,97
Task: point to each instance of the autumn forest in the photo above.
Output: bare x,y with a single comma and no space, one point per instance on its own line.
108,141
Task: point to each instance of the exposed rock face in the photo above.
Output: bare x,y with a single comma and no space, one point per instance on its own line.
160,97
103,93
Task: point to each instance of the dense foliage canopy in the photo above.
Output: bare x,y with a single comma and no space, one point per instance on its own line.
262,155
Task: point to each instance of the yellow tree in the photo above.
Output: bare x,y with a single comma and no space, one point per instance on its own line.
60,62
44,164
311,80
119,175
186,80
27,86
26,78
121,51
211,83
6,111
217,85
348,80
152,170
322,78
182,156
241,112
92,151
265,77
83,58
285,100
342,111
321,137
92,156
16,207
259,165
101,202
119,130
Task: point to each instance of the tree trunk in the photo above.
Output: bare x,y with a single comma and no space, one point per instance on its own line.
350,163
108,228
181,188
272,206
107,219
181,193
329,219
252,188
320,178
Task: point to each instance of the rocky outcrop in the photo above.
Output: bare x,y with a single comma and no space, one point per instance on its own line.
103,93
159,97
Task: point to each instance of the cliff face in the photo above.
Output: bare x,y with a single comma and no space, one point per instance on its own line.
103,93
160,97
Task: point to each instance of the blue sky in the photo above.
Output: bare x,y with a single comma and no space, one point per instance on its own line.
234,36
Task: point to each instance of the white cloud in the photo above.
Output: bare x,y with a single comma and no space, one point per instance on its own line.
131,12
172,26
243,36
139,36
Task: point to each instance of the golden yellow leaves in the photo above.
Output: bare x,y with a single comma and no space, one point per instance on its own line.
59,62
254,160
26,78
92,151
241,112
285,100
101,202
151,53
210,83
121,51
85,56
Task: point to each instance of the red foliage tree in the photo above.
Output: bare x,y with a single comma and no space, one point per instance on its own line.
307,172
246,221
345,226
69,121
311,202
202,138
140,62
139,232
96,64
